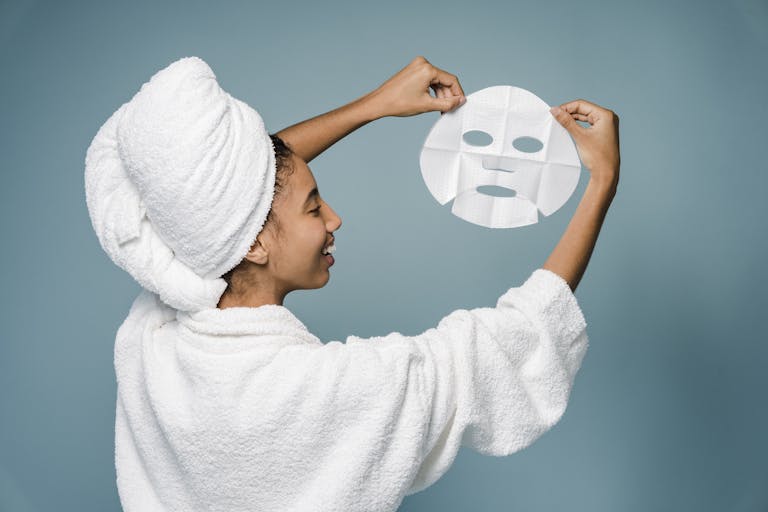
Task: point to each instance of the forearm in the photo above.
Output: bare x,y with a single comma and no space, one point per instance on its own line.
311,137
570,257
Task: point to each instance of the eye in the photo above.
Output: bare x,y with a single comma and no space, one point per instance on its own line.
316,210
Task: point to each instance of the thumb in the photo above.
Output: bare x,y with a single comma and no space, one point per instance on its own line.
565,119
447,104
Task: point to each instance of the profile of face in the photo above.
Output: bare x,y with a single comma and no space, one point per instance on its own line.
290,255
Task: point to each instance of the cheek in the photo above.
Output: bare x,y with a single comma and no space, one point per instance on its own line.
311,238
320,237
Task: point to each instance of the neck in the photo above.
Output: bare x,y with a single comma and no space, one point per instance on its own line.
249,298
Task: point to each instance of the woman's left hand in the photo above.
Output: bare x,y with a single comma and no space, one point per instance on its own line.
407,92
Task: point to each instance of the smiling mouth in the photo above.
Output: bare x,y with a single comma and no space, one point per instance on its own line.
326,252
330,249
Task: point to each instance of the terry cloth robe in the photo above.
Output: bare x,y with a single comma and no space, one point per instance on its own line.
243,409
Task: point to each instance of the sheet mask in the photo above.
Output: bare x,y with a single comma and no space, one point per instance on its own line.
542,178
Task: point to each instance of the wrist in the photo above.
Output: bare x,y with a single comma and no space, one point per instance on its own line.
603,187
372,106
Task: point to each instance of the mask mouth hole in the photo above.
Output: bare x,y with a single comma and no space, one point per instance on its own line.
527,144
477,138
496,191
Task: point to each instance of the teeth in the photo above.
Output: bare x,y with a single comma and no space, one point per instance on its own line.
331,248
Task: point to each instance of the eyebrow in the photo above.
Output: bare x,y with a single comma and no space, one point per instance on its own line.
312,193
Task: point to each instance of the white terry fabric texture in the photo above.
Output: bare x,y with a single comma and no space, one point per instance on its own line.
179,181
244,409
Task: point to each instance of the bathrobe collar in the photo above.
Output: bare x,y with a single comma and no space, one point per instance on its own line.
257,324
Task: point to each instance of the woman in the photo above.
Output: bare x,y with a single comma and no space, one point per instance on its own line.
225,400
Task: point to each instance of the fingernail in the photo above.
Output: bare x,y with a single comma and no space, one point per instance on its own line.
555,110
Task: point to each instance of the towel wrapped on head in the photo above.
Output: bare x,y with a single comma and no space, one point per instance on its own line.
178,183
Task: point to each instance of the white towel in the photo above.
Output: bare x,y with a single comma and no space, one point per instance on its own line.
178,183
243,409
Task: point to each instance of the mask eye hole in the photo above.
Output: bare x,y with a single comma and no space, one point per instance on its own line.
527,144
477,138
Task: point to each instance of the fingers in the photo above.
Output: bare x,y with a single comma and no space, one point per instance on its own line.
439,91
568,122
583,110
598,144
440,77
447,101
442,83
579,107
445,104
448,91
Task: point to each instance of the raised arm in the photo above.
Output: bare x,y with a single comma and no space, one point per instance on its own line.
404,94
598,148
311,137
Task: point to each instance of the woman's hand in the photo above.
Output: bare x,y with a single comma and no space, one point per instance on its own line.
407,92
598,145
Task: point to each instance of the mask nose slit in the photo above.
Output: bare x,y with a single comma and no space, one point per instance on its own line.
495,164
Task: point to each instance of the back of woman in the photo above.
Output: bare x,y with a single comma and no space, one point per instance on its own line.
225,400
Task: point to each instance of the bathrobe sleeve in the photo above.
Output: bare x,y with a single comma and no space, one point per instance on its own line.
492,379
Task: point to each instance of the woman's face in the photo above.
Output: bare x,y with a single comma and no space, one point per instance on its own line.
295,259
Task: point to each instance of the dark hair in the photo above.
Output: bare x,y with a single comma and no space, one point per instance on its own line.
284,168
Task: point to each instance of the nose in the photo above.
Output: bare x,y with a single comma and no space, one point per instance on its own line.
333,221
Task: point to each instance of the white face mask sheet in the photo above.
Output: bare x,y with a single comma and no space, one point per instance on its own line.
542,179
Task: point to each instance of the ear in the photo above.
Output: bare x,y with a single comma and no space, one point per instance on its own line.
257,253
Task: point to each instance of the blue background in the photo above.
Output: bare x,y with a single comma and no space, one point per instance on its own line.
669,409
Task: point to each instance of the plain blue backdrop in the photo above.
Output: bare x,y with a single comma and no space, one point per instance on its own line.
669,409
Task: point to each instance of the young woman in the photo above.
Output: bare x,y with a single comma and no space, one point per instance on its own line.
235,405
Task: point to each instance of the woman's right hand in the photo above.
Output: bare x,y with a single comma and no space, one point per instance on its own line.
598,144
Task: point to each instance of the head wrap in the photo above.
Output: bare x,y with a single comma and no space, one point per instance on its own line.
178,183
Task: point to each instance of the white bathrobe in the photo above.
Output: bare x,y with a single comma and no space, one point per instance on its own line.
243,409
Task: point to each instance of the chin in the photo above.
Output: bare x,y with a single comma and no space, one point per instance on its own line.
320,282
